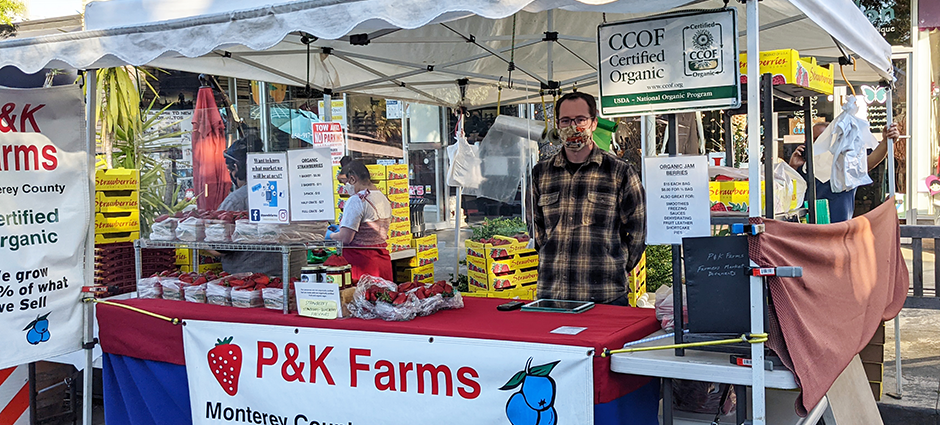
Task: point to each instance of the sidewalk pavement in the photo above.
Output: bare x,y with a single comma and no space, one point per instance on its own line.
920,343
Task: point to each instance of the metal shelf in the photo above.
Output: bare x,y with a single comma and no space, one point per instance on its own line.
401,255
273,247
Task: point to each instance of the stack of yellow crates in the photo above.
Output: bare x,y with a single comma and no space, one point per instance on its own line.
392,180
419,268
184,261
507,270
117,206
637,281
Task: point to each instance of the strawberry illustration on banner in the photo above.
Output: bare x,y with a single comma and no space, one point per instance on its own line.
225,362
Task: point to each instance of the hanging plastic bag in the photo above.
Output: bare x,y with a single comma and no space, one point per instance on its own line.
464,164
841,152
665,309
789,187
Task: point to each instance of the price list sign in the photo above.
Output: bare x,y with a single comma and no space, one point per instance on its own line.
311,184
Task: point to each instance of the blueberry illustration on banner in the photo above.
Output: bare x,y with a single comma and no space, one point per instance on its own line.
38,330
534,403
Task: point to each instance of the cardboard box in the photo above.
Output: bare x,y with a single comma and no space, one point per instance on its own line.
400,228
402,198
507,281
117,179
477,249
340,203
423,259
115,222
413,274
424,243
336,170
396,172
376,172
401,214
524,293
396,187
399,205
382,186
183,256
341,190
399,243
216,267
105,238
117,200
636,281
788,67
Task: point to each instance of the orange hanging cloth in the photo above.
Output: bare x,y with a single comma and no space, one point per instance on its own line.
211,181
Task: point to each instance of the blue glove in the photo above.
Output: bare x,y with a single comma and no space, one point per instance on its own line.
333,228
329,235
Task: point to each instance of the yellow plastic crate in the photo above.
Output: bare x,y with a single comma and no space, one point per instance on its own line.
396,172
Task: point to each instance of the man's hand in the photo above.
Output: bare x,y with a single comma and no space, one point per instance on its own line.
890,132
797,160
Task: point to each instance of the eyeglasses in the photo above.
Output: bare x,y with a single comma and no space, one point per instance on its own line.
578,121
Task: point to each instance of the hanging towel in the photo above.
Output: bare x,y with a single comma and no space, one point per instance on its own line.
854,277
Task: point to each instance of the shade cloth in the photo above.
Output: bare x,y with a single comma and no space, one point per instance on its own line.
124,332
211,179
854,277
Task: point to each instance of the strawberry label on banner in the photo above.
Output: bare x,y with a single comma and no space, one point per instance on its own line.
44,217
279,374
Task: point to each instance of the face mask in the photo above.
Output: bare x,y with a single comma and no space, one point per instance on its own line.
575,138
350,189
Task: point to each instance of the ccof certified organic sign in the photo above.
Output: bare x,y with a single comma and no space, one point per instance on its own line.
677,202
682,62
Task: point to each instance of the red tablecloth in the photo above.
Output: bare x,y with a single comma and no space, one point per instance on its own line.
128,333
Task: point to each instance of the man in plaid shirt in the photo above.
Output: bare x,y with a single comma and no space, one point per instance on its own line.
590,213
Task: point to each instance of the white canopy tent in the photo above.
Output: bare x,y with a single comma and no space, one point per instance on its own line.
417,49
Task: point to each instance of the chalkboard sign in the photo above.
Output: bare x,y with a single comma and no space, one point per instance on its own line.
716,273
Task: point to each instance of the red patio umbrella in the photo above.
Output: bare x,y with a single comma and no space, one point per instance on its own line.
210,176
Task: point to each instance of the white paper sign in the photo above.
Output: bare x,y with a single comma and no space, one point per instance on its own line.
268,192
683,62
44,218
330,134
318,300
339,111
393,109
677,203
301,375
311,185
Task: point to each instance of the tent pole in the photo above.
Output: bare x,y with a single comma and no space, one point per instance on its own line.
265,114
88,308
753,156
891,190
551,27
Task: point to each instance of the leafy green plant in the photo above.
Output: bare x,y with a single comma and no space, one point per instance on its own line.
128,143
461,283
658,266
498,226
10,9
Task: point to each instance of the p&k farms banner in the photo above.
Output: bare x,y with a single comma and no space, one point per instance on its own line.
44,217
264,374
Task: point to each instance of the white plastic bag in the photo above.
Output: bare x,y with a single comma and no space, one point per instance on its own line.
841,152
149,287
191,229
789,187
665,309
364,309
164,230
464,164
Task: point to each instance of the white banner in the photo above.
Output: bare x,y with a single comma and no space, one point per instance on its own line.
311,184
268,193
266,374
677,204
681,62
44,217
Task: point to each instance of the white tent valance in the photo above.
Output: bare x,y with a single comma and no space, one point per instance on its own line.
416,48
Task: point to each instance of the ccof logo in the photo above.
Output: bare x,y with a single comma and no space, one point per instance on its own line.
702,48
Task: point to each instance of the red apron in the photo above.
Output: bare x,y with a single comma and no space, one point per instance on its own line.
374,261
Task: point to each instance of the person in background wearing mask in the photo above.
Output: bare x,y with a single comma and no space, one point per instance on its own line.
236,159
842,204
363,230
589,213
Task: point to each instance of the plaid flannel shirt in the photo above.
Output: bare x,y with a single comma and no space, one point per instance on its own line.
590,227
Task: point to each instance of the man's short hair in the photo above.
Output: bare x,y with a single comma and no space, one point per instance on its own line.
592,104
